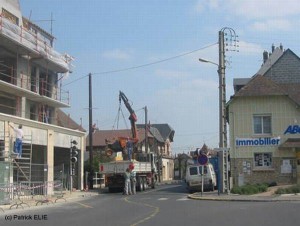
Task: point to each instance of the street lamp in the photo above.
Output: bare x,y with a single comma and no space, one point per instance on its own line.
222,102
207,61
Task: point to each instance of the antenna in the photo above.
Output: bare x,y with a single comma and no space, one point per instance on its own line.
51,22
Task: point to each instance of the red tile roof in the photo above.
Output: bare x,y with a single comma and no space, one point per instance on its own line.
99,136
66,121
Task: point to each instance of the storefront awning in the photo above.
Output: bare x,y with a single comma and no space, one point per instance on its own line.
291,143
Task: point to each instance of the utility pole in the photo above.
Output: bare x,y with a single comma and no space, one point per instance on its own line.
231,45
146,130
91,174
222,93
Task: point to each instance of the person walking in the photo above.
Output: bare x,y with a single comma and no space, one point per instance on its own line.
127,187
19,140
133,181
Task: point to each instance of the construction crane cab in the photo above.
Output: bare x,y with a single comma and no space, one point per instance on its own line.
122,142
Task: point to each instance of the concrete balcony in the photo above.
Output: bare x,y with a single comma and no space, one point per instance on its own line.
23,42
40,93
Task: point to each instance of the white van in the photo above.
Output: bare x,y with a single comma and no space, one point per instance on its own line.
193,177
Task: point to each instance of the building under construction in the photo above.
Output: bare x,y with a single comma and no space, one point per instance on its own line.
31,72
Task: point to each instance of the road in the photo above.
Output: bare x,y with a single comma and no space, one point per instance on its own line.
167,205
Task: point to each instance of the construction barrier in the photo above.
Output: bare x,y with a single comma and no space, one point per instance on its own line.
6,193
18,195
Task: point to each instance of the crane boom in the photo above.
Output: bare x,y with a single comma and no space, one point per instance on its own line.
121,142
132,117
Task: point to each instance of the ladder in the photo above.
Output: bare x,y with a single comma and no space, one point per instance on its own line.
22,165
224,170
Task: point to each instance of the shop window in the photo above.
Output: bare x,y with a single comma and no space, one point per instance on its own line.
262,124
263,160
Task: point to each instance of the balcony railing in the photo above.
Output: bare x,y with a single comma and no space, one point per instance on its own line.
35,42
41,86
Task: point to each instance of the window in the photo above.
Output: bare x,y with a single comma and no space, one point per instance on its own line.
204,170
262,124
263,160
193,171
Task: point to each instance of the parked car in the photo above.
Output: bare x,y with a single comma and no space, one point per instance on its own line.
194,181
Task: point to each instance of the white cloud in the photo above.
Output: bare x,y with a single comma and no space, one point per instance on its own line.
258,9
171,74
270,25
247,48
214,4
254,10
118,54
201,5
198,90
191,107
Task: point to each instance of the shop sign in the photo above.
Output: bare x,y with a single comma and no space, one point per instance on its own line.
262,141
292,129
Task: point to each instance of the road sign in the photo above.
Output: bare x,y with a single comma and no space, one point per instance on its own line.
202,159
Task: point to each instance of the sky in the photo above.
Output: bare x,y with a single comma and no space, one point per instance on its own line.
150,50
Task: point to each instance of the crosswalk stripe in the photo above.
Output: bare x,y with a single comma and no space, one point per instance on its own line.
179,199
162,199
183,199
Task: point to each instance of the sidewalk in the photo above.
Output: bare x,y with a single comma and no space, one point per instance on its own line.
37,202
268,196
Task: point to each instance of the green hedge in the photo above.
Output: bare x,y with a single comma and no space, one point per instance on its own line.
290,190
249,189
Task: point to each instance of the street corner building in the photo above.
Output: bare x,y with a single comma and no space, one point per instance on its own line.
264,122
31,73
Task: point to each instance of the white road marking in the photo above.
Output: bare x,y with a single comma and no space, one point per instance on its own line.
183,199
162,199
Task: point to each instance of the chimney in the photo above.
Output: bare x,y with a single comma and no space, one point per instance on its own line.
281,47
273,48
265,56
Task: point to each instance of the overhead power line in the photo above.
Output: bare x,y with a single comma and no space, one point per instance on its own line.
142,65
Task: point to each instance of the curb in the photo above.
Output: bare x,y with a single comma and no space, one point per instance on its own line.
238,198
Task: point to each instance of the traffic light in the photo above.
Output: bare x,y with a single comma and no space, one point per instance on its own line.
74,151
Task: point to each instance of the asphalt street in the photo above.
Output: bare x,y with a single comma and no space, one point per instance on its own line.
166,205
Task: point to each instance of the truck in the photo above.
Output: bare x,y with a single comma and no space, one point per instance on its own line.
126,156
114,173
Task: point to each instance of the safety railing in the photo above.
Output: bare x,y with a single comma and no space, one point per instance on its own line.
41,86
21,194
5,191
34,41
